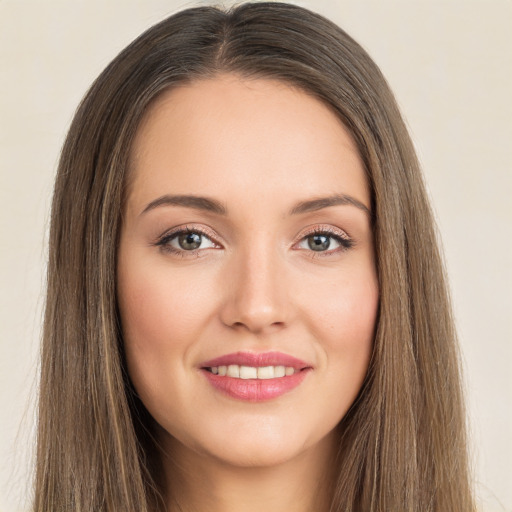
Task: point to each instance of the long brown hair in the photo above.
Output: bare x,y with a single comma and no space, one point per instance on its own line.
402,444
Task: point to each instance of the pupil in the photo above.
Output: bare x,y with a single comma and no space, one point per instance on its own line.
319,242
189,241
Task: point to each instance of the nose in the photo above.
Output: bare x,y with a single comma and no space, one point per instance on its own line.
256,298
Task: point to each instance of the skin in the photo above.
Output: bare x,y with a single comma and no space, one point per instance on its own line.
259,148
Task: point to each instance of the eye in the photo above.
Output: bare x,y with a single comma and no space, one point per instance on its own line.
186,240
325,241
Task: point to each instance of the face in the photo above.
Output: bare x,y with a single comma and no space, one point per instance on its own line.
246,276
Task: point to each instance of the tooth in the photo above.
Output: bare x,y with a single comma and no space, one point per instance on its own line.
251,372
233,371
266,372
248,372
279,371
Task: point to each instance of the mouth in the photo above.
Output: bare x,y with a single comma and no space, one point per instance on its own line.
255,377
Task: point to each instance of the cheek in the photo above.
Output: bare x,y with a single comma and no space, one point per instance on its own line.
345,318
347,310
162,316
158,305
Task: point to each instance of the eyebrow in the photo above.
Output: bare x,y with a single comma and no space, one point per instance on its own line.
189,201
214,206
325,202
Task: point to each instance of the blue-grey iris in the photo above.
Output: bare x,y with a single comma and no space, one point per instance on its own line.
319,242
190,241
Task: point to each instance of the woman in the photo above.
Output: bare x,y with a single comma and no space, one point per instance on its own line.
246,304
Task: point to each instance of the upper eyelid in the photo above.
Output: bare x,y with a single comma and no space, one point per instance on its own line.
208,232
171,233
324,229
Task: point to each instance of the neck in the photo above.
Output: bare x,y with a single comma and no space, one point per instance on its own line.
200,483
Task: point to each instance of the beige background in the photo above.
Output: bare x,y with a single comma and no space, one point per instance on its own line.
450,65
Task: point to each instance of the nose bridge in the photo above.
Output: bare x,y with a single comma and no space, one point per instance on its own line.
256,300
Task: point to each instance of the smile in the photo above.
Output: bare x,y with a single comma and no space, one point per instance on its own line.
255,377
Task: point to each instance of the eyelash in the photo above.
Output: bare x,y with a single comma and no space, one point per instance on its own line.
164,241
343,240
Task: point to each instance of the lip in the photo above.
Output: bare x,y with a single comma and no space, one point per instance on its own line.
257,359
256,390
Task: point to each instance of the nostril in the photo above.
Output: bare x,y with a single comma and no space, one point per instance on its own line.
256,324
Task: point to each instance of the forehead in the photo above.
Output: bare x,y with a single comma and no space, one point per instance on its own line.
248,134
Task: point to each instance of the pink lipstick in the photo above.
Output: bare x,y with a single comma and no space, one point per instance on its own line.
255,377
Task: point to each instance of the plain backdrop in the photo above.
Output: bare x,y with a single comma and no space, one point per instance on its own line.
450,65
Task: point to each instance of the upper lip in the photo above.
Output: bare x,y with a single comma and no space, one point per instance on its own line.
257,359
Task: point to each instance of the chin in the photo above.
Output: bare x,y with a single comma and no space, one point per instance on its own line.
258,454
265,444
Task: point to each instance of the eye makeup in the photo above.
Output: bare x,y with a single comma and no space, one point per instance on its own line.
175,241
320,237
187,241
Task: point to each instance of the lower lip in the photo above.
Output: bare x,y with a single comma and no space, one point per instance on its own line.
255,390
